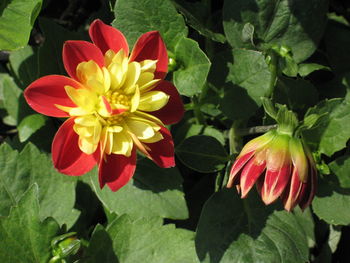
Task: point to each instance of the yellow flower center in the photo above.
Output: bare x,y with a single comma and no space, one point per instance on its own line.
113,104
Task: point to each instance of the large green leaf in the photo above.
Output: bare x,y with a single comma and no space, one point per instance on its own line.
24,65
235,230
250,72
284,22
153,191
29,125
135,17
142,240
202,153
23,237
20,170
16,21
193,69
332,203
333,130
341,168
9,96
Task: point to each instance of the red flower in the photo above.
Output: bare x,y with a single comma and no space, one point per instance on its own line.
115,104
280,165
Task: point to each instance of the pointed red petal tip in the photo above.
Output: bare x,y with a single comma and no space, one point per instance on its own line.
66,155
116,170
76,51
44,93
236,168
162,152
151,46
174,110
107,37
251,172
274,184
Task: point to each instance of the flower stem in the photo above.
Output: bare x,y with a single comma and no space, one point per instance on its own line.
197,110
273,70
256,129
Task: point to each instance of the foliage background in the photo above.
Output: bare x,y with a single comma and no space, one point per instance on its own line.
220,65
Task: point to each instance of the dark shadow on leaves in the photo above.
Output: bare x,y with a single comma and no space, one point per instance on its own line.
245,216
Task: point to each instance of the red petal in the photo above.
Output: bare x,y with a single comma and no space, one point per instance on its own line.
116,170
237,166
43,93
291,195
75,52
66,155
250,174
107,37
162,152
309,190
151,46
174,110
274,184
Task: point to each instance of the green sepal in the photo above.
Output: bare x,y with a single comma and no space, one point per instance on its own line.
286,119
269,107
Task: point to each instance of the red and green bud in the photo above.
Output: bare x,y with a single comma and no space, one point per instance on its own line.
280,165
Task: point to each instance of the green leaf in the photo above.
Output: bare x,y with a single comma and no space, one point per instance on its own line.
100,247
20,170
197,25
16,21
9,95
153,191
236,103
23,237
202,153
331,203
234,230
189,129
135,17
30,125
250,72
332,132
143,240
341,167
307,68
24,65
193,67
282,22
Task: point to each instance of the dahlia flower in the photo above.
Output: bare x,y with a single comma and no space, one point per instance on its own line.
280,165
116,103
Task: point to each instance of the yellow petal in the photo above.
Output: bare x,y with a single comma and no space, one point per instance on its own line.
82,97
135,100
144,115
86,146
88,120
156,138
122,144
115,129
148,65
142,130
153,100
132,76
87,70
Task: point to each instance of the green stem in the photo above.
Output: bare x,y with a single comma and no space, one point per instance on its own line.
273,70
197,111
256,129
